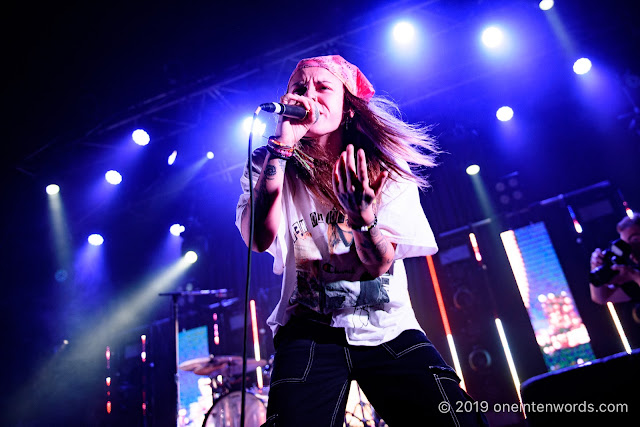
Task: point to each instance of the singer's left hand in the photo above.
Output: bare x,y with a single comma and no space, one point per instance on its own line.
352,187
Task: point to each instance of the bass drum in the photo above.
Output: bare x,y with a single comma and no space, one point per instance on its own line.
225,412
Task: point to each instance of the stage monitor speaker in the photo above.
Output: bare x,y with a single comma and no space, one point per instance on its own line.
603,391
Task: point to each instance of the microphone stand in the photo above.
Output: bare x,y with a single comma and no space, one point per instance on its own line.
220,293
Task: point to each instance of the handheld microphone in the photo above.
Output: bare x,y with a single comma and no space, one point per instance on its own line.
293,111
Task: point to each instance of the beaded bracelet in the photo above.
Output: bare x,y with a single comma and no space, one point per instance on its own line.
274,140
275,153
364,227
279,150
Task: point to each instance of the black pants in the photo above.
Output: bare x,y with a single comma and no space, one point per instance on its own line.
406,380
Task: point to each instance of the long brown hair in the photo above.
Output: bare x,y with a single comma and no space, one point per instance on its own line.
405,150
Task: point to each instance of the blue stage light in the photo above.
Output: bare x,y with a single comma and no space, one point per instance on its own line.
113,177
176,229
492,37
95,240
582,66
172,157
140,137
504,114
546,4
52,189
404,32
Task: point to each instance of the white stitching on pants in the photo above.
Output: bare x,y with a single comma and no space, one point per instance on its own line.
306,371
413,347
348,357
445,397
335,411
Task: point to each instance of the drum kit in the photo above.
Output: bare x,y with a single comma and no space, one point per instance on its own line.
225,373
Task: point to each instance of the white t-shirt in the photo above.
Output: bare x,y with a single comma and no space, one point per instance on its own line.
314,250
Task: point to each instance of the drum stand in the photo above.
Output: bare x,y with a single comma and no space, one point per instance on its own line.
220,293
224,389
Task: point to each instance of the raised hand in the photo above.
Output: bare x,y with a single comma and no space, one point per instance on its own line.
353,189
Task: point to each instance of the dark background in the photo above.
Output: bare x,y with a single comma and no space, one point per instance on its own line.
80,76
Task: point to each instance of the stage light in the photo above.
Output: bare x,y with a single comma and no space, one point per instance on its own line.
172,157
616,321
504,114
492,37
507,353
258,126
476,248
95,240
546,4
113,177
582,66
140,137
176,229
210,155
445,320
576,223
52,189
403,32
473,169
191,257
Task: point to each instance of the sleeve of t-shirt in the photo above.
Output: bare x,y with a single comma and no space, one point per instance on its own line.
278,248
403,221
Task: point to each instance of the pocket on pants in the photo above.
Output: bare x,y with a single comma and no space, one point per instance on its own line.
410,341
292,361
407,342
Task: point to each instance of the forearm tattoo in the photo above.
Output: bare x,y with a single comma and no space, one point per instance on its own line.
269,172
263,199
374,248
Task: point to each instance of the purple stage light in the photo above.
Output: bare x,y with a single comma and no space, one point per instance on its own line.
95,240
404,32
176,229
52,189
258,126
172,157
546,4
113,177
582,66
492,37
140,137
504,114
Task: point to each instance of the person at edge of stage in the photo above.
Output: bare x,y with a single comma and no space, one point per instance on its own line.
338,207
625,285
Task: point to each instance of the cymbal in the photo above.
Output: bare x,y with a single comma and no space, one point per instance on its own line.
226,365
192,364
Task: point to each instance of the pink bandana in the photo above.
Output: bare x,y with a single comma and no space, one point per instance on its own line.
349,74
